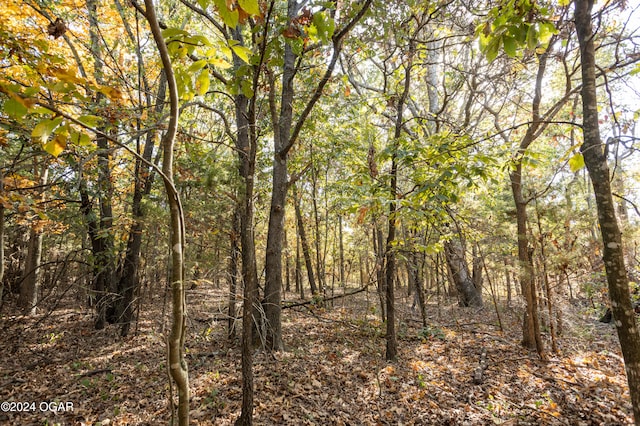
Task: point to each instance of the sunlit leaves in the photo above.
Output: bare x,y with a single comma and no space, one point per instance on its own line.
516,28
43,129
250,6
202,83
576,162
56,145
14,109
229,16
242,52
324,26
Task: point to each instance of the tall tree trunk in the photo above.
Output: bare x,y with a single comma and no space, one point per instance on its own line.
281,139
246,148
390,254
414,272
30,287
104,250
304,243
234,267
343,284
318,241
381,279
285,136
545,280
531,327
287,262
596,162
299,286
176,359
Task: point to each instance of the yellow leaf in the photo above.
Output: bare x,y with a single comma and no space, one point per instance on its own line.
67,75
202,82
56,145
220,63
112,93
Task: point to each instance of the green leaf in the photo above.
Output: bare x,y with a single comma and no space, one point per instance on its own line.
493,48
325,25
14,109
247,88
532,37
79,138
229,17
510,46
576,162
90,120
44,128
197,66
174,33
250,6
242,52
220,63
546,30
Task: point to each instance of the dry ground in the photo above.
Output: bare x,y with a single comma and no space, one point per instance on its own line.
332,372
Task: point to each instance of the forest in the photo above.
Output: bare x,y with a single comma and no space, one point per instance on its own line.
315,212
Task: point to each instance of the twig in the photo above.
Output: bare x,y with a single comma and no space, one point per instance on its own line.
324,299
94,372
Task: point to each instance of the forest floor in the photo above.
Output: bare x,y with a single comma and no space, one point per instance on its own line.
57,370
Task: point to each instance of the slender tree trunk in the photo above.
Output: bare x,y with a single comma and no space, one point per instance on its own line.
299,285
30,286
596,162
285,137
507,277
381,279
246,148
281,140
287,262
415,270
530,328
176,360
547,287
343,284
104,257
305,245
316,221
234,267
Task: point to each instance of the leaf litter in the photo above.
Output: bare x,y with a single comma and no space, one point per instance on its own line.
332,372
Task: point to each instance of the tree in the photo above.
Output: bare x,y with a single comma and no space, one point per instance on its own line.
286,133
176,360
595,160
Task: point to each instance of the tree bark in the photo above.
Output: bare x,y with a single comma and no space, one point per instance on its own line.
30,286
234,267
281,140
177,363
531,337
304,243
596,162
246,147
285,136
468,293
104,247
